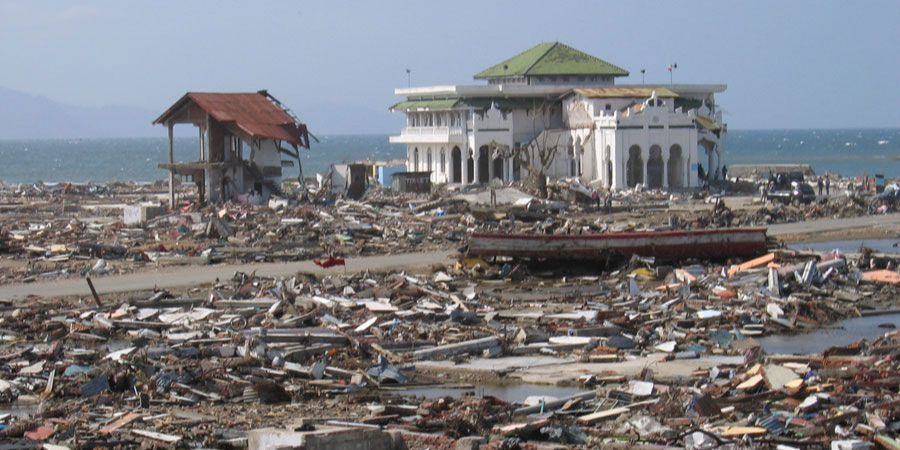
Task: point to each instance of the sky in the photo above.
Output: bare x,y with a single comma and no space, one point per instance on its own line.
787,64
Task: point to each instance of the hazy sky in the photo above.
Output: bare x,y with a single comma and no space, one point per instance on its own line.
787,64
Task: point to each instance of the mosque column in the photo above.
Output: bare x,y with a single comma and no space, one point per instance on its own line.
645,157
665,169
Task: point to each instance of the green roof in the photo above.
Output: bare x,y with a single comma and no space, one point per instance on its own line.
408,105
552,58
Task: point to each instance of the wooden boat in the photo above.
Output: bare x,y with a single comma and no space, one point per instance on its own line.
665,245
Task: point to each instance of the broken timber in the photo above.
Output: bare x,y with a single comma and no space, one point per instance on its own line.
666,245
458,348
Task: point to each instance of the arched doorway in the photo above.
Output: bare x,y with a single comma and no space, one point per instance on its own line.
429,160
456,165
634,173
579,157
498,168
470,168
675,168
483,164
415,167
655,168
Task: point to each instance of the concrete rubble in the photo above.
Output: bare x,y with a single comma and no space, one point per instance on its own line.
484,353
657,356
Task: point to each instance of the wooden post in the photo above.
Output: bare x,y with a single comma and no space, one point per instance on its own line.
93,291
171,167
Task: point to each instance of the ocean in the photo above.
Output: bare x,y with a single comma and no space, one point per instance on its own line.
847,152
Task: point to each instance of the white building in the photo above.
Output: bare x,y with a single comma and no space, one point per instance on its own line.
552,94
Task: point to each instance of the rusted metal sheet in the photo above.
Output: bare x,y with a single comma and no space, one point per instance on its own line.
253,114
666,245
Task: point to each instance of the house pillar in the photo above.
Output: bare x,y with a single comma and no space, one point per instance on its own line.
171,167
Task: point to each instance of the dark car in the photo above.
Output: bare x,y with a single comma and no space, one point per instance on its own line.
795,193
802,193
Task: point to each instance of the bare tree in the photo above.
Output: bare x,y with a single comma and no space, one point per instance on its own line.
537,156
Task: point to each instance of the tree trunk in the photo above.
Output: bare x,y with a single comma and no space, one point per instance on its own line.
541,183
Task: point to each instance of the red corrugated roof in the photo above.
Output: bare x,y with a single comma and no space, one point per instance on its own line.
253,114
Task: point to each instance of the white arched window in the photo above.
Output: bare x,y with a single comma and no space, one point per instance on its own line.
428,153
415,159
443,161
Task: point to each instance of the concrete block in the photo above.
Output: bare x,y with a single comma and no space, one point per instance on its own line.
470,442
321,439
140,214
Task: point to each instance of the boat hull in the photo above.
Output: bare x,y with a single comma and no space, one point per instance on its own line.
665,245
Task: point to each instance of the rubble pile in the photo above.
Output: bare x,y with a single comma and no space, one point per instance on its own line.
63,230
659,355
51,233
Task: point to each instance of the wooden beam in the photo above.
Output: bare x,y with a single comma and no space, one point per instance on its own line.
473,346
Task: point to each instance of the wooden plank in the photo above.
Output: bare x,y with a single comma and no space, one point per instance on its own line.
742,431
601,415
475,345
882,276
167,438
120,422
752,264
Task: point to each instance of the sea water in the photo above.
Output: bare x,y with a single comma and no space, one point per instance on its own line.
847,152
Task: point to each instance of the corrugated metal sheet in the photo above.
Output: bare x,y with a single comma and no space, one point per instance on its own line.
253,114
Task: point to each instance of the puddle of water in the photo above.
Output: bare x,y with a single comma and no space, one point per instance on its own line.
840,334
514,393
851,246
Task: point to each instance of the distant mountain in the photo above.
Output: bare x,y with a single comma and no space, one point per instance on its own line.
26,116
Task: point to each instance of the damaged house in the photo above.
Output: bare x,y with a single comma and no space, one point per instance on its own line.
242,138
560,100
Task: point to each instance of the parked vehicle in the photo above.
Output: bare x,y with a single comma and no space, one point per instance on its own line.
795,193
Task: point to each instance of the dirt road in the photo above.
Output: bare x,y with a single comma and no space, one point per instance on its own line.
823,229
188,276
831,229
